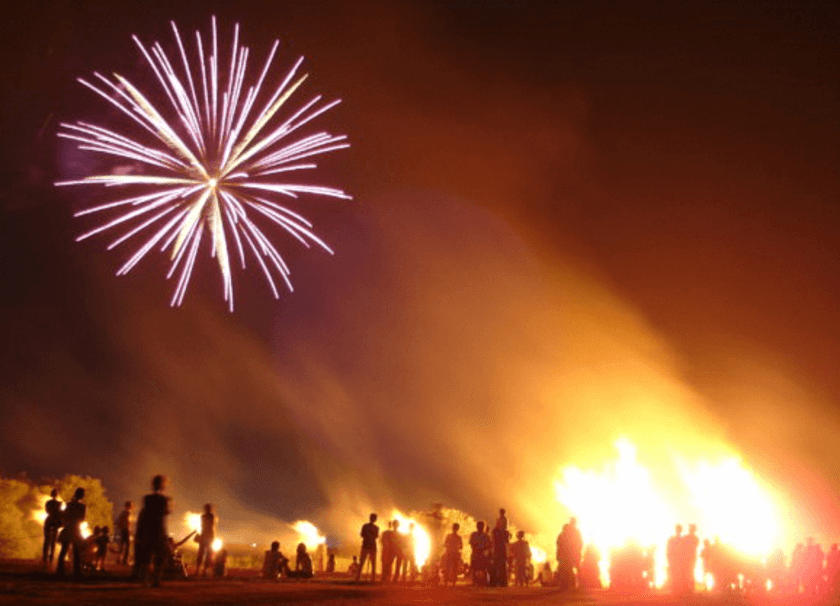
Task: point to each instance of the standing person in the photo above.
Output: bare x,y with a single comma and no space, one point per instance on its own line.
51,525
74,515
369,534
480,557
452,547
151,543
102,542
407,568
124,532
501,544
388,551
673,555
205,540
688,549
400,546
502,522
521,552
569,548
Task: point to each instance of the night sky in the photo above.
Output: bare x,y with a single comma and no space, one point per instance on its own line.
570,222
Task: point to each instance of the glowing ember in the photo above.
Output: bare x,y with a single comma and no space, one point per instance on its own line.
309,534
422,540
624,502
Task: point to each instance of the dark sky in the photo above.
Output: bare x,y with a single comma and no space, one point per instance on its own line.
546,197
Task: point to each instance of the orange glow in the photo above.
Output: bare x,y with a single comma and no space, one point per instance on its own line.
193,521
85,530
309,534
422,540
624,501
216,545
538,556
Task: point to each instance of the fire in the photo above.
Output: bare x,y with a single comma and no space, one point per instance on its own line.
216,545
538,556
193,521
309,534
40,514
422,540
624,501
85,530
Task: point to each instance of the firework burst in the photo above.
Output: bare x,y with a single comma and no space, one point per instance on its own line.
213,149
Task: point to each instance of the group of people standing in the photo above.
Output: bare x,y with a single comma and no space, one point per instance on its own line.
398,559
154,549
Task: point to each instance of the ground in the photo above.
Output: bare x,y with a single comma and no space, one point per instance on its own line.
22,583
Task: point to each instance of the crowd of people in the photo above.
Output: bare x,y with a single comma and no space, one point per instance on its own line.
155,551
495,559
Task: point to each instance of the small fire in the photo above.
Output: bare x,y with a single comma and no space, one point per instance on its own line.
624,502
216,545
40,514
309,534
422,540
193,521
85,530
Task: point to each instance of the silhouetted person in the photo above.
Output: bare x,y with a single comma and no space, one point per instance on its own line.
812,576
452,547
388,551
832,569
102,542
688,558
369,534
353,569
674,557
71,534
331,563
275,563
502,521
521,552
480,558
220,564
499,563
569,548
303,563
400,544
205,540
151,541
123,530
546,577
589,576
407,566
51,525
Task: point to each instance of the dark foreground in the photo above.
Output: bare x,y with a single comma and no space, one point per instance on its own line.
20,584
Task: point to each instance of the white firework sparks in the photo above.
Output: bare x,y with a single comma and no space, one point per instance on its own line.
216,152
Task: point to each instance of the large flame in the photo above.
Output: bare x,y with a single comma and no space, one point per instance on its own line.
624,501
309,534
422,540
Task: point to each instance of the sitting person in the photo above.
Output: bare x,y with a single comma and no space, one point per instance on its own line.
173,566
546,577
303,564
275,563
354,567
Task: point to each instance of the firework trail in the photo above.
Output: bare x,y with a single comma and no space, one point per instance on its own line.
217,147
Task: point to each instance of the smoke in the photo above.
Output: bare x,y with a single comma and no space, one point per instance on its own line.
452,351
